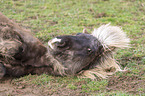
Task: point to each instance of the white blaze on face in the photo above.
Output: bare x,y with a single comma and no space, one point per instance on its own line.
51,42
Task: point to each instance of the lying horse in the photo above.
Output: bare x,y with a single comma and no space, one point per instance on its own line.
85,55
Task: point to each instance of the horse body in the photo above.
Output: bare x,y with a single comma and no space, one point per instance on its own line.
87,54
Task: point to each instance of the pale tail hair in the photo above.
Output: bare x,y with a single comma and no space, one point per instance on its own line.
111,37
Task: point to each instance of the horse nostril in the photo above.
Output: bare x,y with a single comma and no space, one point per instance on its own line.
61,44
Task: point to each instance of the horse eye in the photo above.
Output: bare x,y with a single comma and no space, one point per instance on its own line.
89,50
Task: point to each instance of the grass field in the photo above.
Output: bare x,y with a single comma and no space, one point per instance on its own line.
49,18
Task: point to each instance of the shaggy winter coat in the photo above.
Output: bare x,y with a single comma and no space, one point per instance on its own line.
84,55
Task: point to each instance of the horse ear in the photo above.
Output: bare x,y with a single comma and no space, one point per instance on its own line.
85,31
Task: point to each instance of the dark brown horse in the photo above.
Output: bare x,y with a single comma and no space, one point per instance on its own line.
86,55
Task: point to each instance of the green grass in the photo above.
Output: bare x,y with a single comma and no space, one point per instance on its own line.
49,18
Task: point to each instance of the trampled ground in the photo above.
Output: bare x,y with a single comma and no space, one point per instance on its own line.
49,18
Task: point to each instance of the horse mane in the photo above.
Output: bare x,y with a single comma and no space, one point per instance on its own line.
111,38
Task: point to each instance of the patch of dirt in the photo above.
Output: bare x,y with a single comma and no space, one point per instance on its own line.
53,23
68,92
80,83
129,84
7,88
98,15
12,87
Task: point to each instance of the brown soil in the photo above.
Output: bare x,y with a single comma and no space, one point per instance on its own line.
124,83
10,88
7,88
130,84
